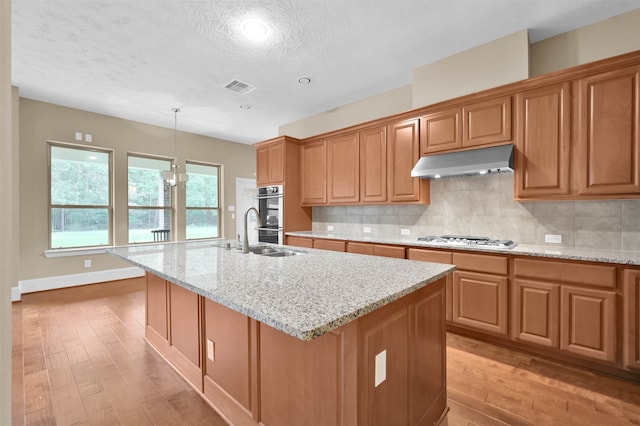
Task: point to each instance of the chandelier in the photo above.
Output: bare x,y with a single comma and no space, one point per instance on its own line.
171,177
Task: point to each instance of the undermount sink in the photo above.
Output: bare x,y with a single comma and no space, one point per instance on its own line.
273,251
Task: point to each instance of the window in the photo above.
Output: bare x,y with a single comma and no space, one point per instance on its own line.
79,197
203,201
150,203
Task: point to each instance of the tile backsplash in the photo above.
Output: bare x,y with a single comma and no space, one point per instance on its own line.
484,205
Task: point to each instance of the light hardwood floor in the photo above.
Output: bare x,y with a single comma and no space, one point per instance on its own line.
79,357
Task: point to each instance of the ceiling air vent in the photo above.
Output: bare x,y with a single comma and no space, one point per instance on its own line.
239,86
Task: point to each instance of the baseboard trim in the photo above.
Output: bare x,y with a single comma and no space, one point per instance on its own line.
73,280
15,294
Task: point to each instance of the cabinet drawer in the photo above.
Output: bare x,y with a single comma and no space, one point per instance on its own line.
389,251
329,245
430,255
300,241
567,272
481,263
360,248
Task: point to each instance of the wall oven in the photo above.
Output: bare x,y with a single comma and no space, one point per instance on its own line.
270,208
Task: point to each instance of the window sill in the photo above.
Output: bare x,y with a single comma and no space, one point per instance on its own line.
75,251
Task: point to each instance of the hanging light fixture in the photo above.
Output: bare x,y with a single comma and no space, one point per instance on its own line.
171,177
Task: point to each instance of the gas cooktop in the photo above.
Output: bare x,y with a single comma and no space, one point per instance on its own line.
467,241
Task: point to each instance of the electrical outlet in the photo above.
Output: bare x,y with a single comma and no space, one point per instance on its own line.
329,228
78,136
88,137
405,231
366,230
87,263
553,238
211,353
381,368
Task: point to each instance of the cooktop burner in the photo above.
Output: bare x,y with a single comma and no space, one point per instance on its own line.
467,240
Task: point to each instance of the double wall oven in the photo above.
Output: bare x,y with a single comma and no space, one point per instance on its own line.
270,208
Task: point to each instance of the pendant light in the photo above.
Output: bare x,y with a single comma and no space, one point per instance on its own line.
171,177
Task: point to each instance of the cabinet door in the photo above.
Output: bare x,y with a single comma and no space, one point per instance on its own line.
441,131
314,171
543,142
588,322
402,155
480,301
262,166
373,165
343,173
487,122
631,321
276,163
270,164
157,304
608,138
536,311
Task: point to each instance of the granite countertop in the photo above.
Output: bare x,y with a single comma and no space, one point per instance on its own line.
592,255
305,295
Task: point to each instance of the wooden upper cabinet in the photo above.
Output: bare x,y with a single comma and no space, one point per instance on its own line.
487,122
543,122
631,320
608,122
403,151
373,165
313,161
343,173
270,162
441,131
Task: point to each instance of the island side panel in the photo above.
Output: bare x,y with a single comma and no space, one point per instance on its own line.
410,388
227,372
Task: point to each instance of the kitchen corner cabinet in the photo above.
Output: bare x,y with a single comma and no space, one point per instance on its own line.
343,169
480,293
543,123
313,166
270,164
373,165
631,320
403,151
487,122
608,133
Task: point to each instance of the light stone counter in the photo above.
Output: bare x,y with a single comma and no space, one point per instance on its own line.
304,296
590,255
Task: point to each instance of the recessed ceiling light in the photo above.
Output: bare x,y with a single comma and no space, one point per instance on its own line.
255,29
304,80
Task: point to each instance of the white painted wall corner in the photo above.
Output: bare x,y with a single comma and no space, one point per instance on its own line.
15,294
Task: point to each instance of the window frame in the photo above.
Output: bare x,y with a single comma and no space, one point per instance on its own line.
109,207
218,208
171,207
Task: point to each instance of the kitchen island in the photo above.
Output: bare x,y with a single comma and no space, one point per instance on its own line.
307,337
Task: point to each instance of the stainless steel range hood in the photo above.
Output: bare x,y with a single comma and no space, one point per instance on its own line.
495,159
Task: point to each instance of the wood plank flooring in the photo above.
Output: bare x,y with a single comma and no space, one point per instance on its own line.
79,357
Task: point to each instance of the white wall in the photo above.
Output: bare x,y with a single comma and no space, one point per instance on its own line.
8,234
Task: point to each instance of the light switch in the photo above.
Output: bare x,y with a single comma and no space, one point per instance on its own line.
381,368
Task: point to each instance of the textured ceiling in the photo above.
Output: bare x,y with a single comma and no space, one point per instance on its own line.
139,59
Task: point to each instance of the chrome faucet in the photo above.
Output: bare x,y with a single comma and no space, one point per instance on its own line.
245,241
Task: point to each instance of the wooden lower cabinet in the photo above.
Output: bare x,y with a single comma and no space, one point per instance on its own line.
383,250
437,256
334,245
385,368
299,241
588,322
536,312
480,301
631,320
